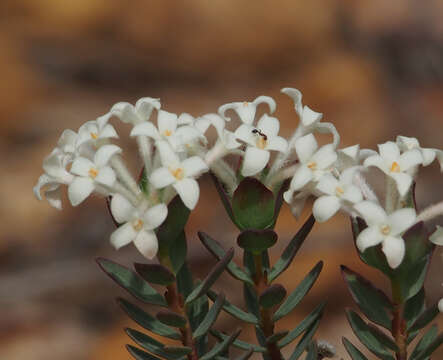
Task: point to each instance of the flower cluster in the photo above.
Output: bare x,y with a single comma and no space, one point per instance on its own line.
176,150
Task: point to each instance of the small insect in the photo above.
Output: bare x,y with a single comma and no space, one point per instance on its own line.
258,131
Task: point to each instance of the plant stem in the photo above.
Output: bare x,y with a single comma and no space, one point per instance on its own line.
399,331
266,321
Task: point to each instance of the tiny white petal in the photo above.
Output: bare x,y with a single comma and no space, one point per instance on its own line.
325,207
81,166
43,181
122,210
187,134
428,156
266,100
410,159
105,153
185,119
351,151
377,161
126,113
194,166
401,220
296,96
268,125
254,161
305,147
437,236
106,176
166,121
123,236
440,305
352,194
369,237
146,242
394,249
54,197
108,132
146,129
325,156
277,143
403,181
407,143
245,111
167,155
348,175
310,117
389,151
328,184
144,107
244,133
189,192
303,175
155,216
297,205
161,178
80,189
67,141
372,213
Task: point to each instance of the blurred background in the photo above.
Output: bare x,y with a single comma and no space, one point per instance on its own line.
374,68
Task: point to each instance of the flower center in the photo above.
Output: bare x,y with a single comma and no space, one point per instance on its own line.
137,224
385,229
312,165
93,173
261,142
395,167
167,132
94,136
177,173
339,191
245,103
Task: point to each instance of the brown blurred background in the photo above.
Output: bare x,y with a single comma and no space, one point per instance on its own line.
374,68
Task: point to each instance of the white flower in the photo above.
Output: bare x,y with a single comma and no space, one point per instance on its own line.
260,140
55,165
67,142
96,132
352,156
92,175
168,130
180,174
137,114
246,110
409,143
138,224
385,229
314,163
440,305
51,190
338,193
395,165
437,236
308,117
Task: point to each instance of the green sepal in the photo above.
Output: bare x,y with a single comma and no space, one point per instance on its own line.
155,273
234,310
272,296
210,317
221,347
215,248
210,279
299,293
131,282
171,318
291,249
424,342
276,337
139,354
353,352
253,205
362,330
414,307
372,301
147,321
425,318
239,343
304,341
256,241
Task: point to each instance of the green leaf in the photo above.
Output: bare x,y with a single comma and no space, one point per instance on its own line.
313,317
238,343
185,283
178,350
424,342
140,354
257,241
147,321
434,345
353,351
197,311
155,273
143,182
372,301
291,250
261,338
235,311
299,293
177,253
210,317
276,337
312,351
150,344
253,205
251,299
414,307
272,296
384,339
131,282
171,318
425,318
363,332
223,196
220,347
304,341
210,279
215,248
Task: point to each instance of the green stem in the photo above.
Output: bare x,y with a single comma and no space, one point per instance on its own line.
399,331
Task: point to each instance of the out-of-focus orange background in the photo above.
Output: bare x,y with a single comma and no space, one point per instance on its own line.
374,68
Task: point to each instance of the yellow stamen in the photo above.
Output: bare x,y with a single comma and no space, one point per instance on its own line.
385,229
137,225
395,167
339,191
261,142
312,165
167,132
94,136
177,173
245,103
93,173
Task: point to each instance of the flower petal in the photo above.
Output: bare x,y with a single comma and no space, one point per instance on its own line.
106,176
369,237
155,216
389,151
121,209
145,105
410,159
161,178
80,189
428,156
245,111
244,133
437,236
167,122
185,119
394,249
146,242
352,194
126,113
67,141
277,143
187,134
145,129
108,132
403,181
325,157
401,220
328,184
296,96
189,192
105,153
372,213
54,197
303,175
268,125
407,143
167,155
440,305
81,166
305,147
254,161
325,207
265,100
310,117
377,161
194,166
123,236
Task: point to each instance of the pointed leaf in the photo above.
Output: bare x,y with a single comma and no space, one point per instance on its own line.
177,253
291,250
261,338
371,300
425,318
220,347
304,341
424,342
140,354
147,321
384,339
272,296
185,283
210,279
257,241
299,293
239,343
171,318
178,350
434,345
276,337
353,351
215,248
251,299
210,317
131,282
414,307
234,310
223,196
155,273
197,311
312,351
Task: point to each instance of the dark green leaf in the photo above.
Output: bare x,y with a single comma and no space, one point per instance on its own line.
253,205
185,284
238,343
256,241
371,300
251,299
353,351
261,338
434,345
171,318
197,311
178,350
223,196
140,354
299,293
131,282
313,317
384,339
364,334
414,307
210,317
291,250
155,273
249,263
217,250
312,351
272,296
147,321
234,310
177,253
424,342
220,347
425,318
304,341
276,337
210,279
